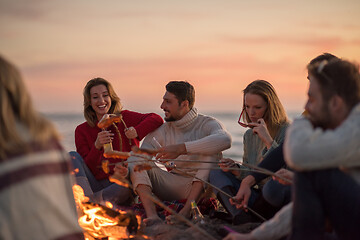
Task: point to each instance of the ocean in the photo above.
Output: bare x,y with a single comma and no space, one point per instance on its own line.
67,122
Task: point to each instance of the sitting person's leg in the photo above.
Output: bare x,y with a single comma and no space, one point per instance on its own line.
227,182
277,194
84,177
116,194
99,191
325,194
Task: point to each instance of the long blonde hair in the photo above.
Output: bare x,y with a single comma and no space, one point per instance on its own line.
275,115
18,117
89,112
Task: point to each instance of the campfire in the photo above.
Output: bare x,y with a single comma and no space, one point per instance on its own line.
99,221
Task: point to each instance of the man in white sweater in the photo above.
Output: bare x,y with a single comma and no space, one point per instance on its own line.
186,135
324,149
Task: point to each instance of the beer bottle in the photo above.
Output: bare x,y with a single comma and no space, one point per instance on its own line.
196,215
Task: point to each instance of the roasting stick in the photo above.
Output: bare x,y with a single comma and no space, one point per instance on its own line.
149,156
265,171
206,182
251,168
154,152
157,201
219,168
220,190
197,168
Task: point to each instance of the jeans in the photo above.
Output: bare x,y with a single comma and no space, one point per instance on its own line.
277,194
224,180
109,191
325,195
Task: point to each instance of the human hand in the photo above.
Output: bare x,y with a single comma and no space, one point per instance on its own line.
103,137
226,163
285,174
241,199
131,133
238,236
261,130
121,170
171,151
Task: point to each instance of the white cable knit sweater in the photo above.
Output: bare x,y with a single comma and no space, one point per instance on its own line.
202,135
306,148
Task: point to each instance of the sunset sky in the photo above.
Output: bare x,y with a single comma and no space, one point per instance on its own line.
218,46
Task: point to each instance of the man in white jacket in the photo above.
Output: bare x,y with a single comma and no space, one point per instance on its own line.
324,150
185,135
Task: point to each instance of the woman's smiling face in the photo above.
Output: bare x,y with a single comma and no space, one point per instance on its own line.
100,100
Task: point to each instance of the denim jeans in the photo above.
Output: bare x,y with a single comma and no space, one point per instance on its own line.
223,179
111,192
325,195
277,194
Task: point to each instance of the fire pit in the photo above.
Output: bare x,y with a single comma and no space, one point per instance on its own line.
99,222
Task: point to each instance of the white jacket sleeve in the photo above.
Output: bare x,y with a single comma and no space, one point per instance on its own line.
306,148
277,227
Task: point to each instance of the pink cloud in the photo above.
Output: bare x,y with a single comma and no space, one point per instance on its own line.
313,41
219,81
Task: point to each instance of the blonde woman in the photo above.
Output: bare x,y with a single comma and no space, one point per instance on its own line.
36,199
266,118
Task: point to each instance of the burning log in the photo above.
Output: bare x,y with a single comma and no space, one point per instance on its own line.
100,221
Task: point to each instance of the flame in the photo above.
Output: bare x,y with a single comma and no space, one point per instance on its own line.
109,204
96,222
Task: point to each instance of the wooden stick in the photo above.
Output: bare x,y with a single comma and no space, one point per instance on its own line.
161,204
252,168
265,171
220,190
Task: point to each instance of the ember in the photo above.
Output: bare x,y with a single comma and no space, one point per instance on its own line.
99,221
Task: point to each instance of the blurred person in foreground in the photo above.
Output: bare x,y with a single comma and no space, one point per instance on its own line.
264,114
324,150
36,198
100,99
186,135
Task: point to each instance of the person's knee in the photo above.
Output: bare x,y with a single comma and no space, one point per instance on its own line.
272,193
215,176
76,159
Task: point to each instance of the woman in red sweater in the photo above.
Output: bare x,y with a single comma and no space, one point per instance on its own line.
100,99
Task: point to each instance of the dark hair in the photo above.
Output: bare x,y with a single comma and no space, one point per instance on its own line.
322,57
182,91
89,112
338,77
